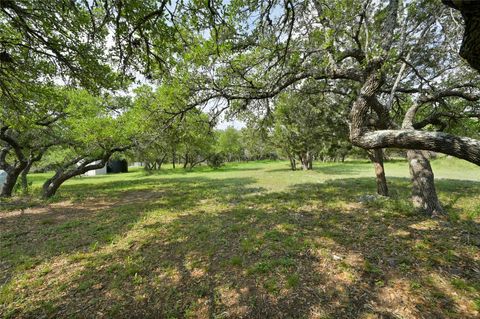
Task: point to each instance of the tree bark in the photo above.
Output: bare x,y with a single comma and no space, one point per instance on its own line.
408,138
147,166
194,162
12,170
71,169
424,194
32,159
306,161
293,164
160,161
23,177
11,179
376,156
462,147
186,161
51,185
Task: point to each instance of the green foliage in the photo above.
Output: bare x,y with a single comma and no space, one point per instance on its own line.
310,125
93,126
166,130
255,142
216,160
229,143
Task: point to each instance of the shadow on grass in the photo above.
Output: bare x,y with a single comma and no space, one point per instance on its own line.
345,168
98,213
207,248
341,169
230,167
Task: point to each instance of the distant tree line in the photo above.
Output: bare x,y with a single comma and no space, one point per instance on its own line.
302,128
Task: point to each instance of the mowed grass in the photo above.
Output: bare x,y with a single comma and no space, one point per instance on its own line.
250,240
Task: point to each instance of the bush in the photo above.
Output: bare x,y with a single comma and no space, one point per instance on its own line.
216,160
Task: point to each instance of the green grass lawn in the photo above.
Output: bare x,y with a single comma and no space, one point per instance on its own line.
250,240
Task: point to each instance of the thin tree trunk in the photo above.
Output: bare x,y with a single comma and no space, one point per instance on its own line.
194,162
376,156
160,161
185,161
147,166
293,164
32,159
23,177
24,182
70,169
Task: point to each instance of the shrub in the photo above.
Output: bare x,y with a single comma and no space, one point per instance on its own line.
216,160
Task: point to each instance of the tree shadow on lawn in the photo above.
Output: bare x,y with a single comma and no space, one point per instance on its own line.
227,250
188,187
345,168
230,167
88,215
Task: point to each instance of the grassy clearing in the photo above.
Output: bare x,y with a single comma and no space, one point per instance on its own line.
251,240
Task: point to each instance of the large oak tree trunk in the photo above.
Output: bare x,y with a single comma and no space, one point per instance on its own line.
461,147
422,175
424,194
19,169
8,186
304,163
376,156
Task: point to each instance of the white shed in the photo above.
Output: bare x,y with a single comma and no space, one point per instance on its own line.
95,172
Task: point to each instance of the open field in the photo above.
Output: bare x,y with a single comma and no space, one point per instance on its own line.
250,240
